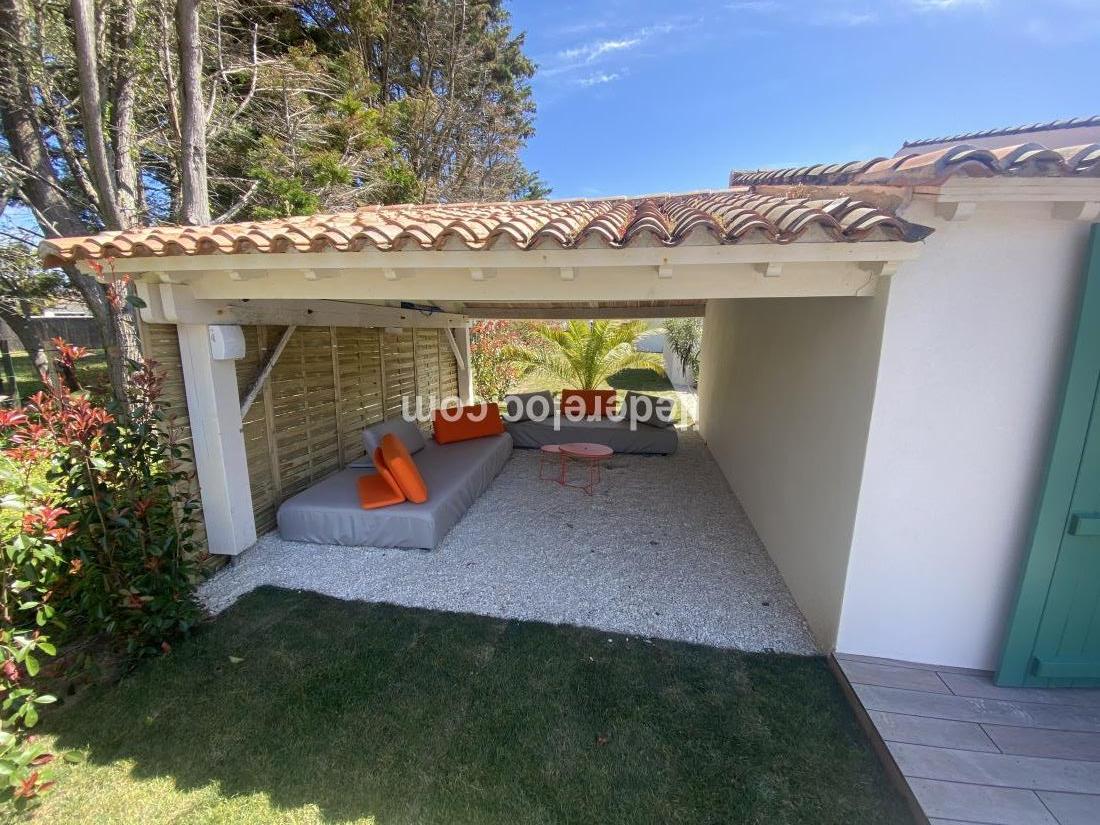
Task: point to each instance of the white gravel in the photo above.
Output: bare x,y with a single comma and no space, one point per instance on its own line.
663,549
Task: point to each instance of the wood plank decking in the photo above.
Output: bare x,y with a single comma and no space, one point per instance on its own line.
972,752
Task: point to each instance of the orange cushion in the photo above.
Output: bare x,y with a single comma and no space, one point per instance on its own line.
398,461
588,402
375,491
462,424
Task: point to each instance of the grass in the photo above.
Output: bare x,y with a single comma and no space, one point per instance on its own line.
91,371
633,380
294,707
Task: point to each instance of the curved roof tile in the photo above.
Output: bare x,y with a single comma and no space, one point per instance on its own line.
1021,160
1070,123
666,220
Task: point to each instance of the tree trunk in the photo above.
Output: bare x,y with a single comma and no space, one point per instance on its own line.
91,113
34,346
194,195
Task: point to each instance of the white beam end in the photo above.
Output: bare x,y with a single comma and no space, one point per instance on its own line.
664,271
956,210
771,269
1077,211
567,273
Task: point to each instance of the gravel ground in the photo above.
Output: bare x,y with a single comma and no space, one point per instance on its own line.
663,549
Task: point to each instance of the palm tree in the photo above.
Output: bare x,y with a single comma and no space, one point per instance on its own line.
583,355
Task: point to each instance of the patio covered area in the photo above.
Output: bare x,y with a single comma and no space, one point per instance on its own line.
345,318
663,549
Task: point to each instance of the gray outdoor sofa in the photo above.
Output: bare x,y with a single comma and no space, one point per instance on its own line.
455,474
659,437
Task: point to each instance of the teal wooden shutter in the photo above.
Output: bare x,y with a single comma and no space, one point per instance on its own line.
1054,636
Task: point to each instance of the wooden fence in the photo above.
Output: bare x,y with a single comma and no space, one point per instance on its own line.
329,383
81,332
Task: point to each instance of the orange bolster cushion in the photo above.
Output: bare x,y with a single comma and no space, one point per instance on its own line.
476,421
403,468
379,489
588,402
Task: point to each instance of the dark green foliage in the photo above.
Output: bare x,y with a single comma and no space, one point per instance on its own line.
394,715
132,555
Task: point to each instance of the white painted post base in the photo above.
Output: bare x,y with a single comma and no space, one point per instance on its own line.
465,371
214,410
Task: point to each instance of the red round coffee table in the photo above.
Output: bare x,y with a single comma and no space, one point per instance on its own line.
545,453
587,454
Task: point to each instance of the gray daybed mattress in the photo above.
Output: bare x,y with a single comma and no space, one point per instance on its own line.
615,434
455,474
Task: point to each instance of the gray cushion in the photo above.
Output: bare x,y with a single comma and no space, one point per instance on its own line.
455,475
518,404
618,435
654,412
407,431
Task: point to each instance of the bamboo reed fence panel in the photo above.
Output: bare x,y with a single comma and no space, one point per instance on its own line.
426,347
329,384
448,369
161,344
358,362
400,371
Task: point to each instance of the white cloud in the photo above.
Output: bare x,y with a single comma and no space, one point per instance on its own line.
599,78
947,5
592,51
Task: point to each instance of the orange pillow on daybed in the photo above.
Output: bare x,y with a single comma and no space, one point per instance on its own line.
379,489
588,402
398,461
462,424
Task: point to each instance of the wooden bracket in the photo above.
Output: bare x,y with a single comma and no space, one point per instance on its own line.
268,366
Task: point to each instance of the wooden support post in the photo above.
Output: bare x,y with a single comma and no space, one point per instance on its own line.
214,411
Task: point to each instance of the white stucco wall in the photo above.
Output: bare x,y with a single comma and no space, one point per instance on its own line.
785,403
973,354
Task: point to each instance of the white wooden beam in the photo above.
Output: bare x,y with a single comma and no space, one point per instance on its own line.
696,282
245,274
261,379
176,304
664,271
213,409
567,273
770,270
374,261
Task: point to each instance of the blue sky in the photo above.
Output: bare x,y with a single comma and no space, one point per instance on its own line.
645,96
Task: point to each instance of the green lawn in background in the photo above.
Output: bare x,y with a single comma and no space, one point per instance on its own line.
295,707
91,371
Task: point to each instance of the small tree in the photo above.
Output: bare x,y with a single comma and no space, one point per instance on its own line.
583,355
685,337
25,288
495,375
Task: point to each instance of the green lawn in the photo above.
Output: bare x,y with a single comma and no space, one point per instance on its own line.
636,380
344,712
91,371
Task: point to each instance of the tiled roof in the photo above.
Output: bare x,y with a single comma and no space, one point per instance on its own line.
726,216
1024,160
1069,123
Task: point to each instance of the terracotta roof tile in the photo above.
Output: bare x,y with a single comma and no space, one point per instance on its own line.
666,220
1050,125
1022,160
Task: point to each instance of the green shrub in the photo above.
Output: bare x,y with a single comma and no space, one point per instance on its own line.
98,535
